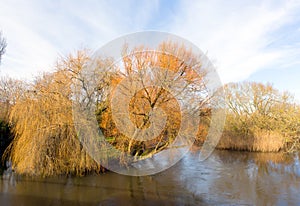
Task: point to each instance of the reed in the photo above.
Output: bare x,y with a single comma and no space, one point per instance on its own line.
258,141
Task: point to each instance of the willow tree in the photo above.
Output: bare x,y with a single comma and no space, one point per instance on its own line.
11,91
45,140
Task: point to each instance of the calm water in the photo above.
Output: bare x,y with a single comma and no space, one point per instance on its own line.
226,178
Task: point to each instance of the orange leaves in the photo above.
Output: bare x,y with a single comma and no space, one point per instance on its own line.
146,76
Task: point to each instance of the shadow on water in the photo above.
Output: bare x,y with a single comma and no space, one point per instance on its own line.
226,178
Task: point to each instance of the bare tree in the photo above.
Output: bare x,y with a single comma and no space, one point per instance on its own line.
3,45
160,85
11,90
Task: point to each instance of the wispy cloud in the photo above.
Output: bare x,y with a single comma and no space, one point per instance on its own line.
38,32
237,36
240,37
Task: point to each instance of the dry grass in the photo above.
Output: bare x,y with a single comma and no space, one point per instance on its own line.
259,141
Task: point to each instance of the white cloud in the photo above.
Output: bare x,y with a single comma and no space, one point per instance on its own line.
240,38
27,52
236,36
38,32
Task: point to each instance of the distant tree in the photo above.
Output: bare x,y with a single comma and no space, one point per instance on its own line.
10,91
257,110
260,105
3,45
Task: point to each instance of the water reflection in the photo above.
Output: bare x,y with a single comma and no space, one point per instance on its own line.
246,178
225,178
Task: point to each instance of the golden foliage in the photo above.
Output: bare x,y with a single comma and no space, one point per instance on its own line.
46,142
173,57
260,118
45,139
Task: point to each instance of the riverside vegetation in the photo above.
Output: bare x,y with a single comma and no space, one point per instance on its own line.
37,126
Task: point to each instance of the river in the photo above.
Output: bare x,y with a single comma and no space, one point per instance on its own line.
225,178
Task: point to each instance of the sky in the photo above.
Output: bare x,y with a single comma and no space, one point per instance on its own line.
245,40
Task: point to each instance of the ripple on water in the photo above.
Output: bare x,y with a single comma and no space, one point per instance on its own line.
225,178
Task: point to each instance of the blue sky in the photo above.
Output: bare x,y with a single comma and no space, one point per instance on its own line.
246,40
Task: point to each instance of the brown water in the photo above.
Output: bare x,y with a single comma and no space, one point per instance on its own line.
226,178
